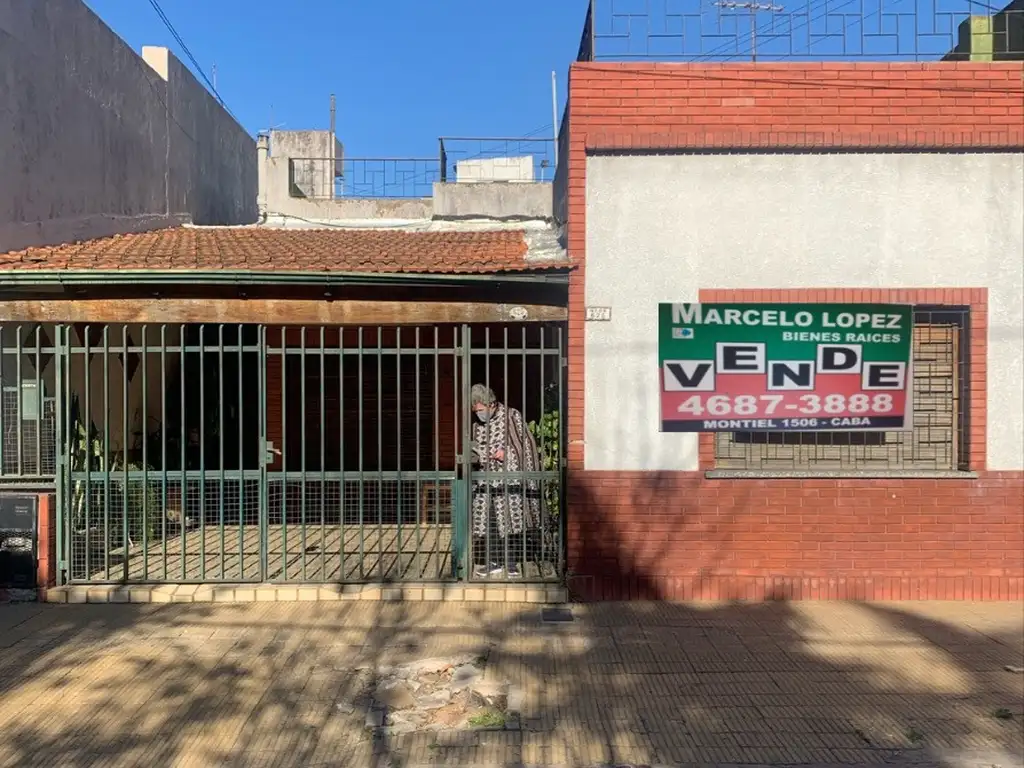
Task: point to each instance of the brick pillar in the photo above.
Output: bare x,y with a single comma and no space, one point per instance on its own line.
46,563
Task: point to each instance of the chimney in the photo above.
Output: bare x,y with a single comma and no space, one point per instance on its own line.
262,151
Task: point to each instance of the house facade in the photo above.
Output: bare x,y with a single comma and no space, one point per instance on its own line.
254,363
247,405
791,185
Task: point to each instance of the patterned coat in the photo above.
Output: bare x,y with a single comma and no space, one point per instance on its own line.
516,503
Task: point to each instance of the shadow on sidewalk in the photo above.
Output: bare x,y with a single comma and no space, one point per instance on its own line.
649,682
639,682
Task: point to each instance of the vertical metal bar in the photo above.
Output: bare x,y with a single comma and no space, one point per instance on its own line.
398,451
435,409
106,451
40,402
3,426
183,443
323,458
302,450
63,465
360,397
341,454
561,452
145,454
464,363
490,512
85,414
220,443
163,449
462,528
284,453
507,539
380,451
126,495
263,524
418,511
18,425
541,453
202,452
527,484
240,415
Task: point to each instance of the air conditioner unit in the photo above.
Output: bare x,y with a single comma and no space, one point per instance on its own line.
19,541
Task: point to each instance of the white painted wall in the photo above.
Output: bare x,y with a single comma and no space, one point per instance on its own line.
660,228
495,169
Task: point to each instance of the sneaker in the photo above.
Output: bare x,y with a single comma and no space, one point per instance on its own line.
514,572
496,570
481,571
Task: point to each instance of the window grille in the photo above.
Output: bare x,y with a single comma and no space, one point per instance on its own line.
938,441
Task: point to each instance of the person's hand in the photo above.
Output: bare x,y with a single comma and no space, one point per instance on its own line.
499,455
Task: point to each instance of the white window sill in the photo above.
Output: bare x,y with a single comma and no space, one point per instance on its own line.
838,474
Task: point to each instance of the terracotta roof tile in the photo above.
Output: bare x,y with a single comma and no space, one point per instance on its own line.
284,250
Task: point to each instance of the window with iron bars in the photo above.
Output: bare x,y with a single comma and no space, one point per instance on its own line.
937,442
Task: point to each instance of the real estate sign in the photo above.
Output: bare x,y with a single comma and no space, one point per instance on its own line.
800,367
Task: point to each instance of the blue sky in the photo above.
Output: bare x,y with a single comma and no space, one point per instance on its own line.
407,71
404,71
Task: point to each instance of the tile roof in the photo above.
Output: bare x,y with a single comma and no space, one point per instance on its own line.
290,250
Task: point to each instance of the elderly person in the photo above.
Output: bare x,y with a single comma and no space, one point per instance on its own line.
503,510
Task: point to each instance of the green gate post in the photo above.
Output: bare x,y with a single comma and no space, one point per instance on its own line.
62,512
460,486
460,512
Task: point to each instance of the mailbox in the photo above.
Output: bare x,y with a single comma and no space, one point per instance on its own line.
19,541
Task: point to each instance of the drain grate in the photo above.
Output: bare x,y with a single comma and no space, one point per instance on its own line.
556,615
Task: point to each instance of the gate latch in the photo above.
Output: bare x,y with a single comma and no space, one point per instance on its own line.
269,452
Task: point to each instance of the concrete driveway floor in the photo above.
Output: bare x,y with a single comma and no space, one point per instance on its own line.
283,684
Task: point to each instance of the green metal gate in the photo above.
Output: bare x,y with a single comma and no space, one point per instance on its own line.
256,453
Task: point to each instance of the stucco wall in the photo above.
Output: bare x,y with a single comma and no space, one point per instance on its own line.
660,227
96,141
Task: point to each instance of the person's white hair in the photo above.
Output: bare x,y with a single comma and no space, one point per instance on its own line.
481,394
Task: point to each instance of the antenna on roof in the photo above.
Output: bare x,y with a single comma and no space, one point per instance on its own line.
751,8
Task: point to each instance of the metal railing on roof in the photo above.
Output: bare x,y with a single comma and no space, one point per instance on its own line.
460,158
475,158
362,177
813,30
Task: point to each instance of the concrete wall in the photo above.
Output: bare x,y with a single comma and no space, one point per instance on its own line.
96,141
660,228
317,157
497,200
518,169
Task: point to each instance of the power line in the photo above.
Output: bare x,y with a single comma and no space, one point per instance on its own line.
188,54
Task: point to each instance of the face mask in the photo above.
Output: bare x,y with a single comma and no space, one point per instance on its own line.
484,416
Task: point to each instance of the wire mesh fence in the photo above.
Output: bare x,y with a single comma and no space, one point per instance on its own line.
28,406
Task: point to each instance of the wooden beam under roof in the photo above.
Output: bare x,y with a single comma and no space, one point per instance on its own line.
274,311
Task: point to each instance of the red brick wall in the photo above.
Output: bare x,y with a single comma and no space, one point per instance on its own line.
46,564
680,535
677,535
